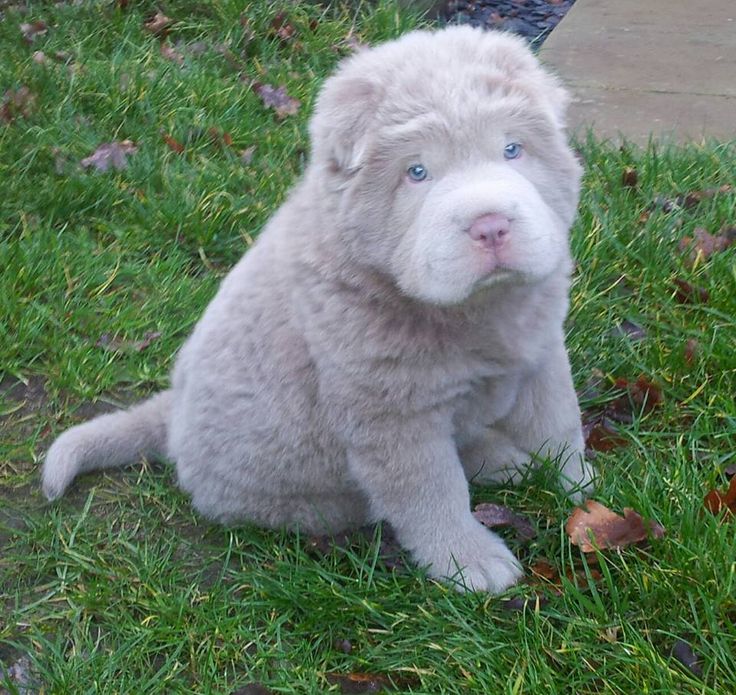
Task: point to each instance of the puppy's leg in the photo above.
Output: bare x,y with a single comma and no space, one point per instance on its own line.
545,420
414,479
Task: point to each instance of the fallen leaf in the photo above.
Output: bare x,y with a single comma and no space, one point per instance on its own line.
685,293
17,103
39,57
608,529
702,245
519,603
370,682
218,137
716,501
110,154
545,570
644,393
173,144
683,652
629,329
600,435
282,28
113,344
610,634
689,200
693,198
277,99
159,24
493,515
33,30
630,177
639,397
170,53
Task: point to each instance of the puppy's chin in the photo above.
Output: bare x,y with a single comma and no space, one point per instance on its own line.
450,290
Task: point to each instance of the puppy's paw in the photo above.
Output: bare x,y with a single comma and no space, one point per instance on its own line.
477,561
578,478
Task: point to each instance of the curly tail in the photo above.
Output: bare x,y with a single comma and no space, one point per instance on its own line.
107,441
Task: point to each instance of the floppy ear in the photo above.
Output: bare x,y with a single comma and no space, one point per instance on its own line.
557,97
339,127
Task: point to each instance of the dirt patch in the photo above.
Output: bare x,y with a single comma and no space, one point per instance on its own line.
27,413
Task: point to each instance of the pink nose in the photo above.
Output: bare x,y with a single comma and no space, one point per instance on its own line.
490,229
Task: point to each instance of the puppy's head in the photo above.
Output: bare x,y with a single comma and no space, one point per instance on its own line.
447,156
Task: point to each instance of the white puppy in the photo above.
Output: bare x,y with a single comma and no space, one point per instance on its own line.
397,328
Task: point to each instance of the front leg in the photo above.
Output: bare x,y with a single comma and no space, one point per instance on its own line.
412,475
544,421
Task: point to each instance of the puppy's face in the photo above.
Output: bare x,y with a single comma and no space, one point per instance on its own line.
449,160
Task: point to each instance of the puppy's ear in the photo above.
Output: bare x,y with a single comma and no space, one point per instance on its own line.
342,118
557,97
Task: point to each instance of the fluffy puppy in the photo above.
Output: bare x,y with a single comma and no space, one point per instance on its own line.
396,330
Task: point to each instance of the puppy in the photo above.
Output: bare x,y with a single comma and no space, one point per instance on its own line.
396,330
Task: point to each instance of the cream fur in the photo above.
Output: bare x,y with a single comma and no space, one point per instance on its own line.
366,357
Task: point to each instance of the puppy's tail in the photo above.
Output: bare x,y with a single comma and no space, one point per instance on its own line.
107,441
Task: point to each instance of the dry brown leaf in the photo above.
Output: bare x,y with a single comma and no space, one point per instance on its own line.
282,28
643,394
170,53
370,682
685,293
18,103
545,570
702,245
630,330
630,177
173,144
110,154
683,652
597,527
493,515
114,344
33,30
159,24
601,435
277,99
716,501
690,199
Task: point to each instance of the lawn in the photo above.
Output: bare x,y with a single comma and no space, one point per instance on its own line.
121,588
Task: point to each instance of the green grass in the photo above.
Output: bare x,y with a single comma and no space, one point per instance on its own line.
121,588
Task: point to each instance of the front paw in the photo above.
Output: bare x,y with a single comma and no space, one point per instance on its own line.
578,478
477,560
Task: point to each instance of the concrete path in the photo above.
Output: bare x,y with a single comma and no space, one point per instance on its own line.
641,68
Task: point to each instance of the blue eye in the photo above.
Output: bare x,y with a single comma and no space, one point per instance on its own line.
512,150
416,172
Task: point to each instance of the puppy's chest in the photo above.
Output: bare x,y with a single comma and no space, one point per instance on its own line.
436,367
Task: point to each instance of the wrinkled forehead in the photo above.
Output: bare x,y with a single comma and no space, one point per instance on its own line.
474,111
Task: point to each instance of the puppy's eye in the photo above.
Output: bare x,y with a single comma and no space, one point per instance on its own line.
417,172
512,150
